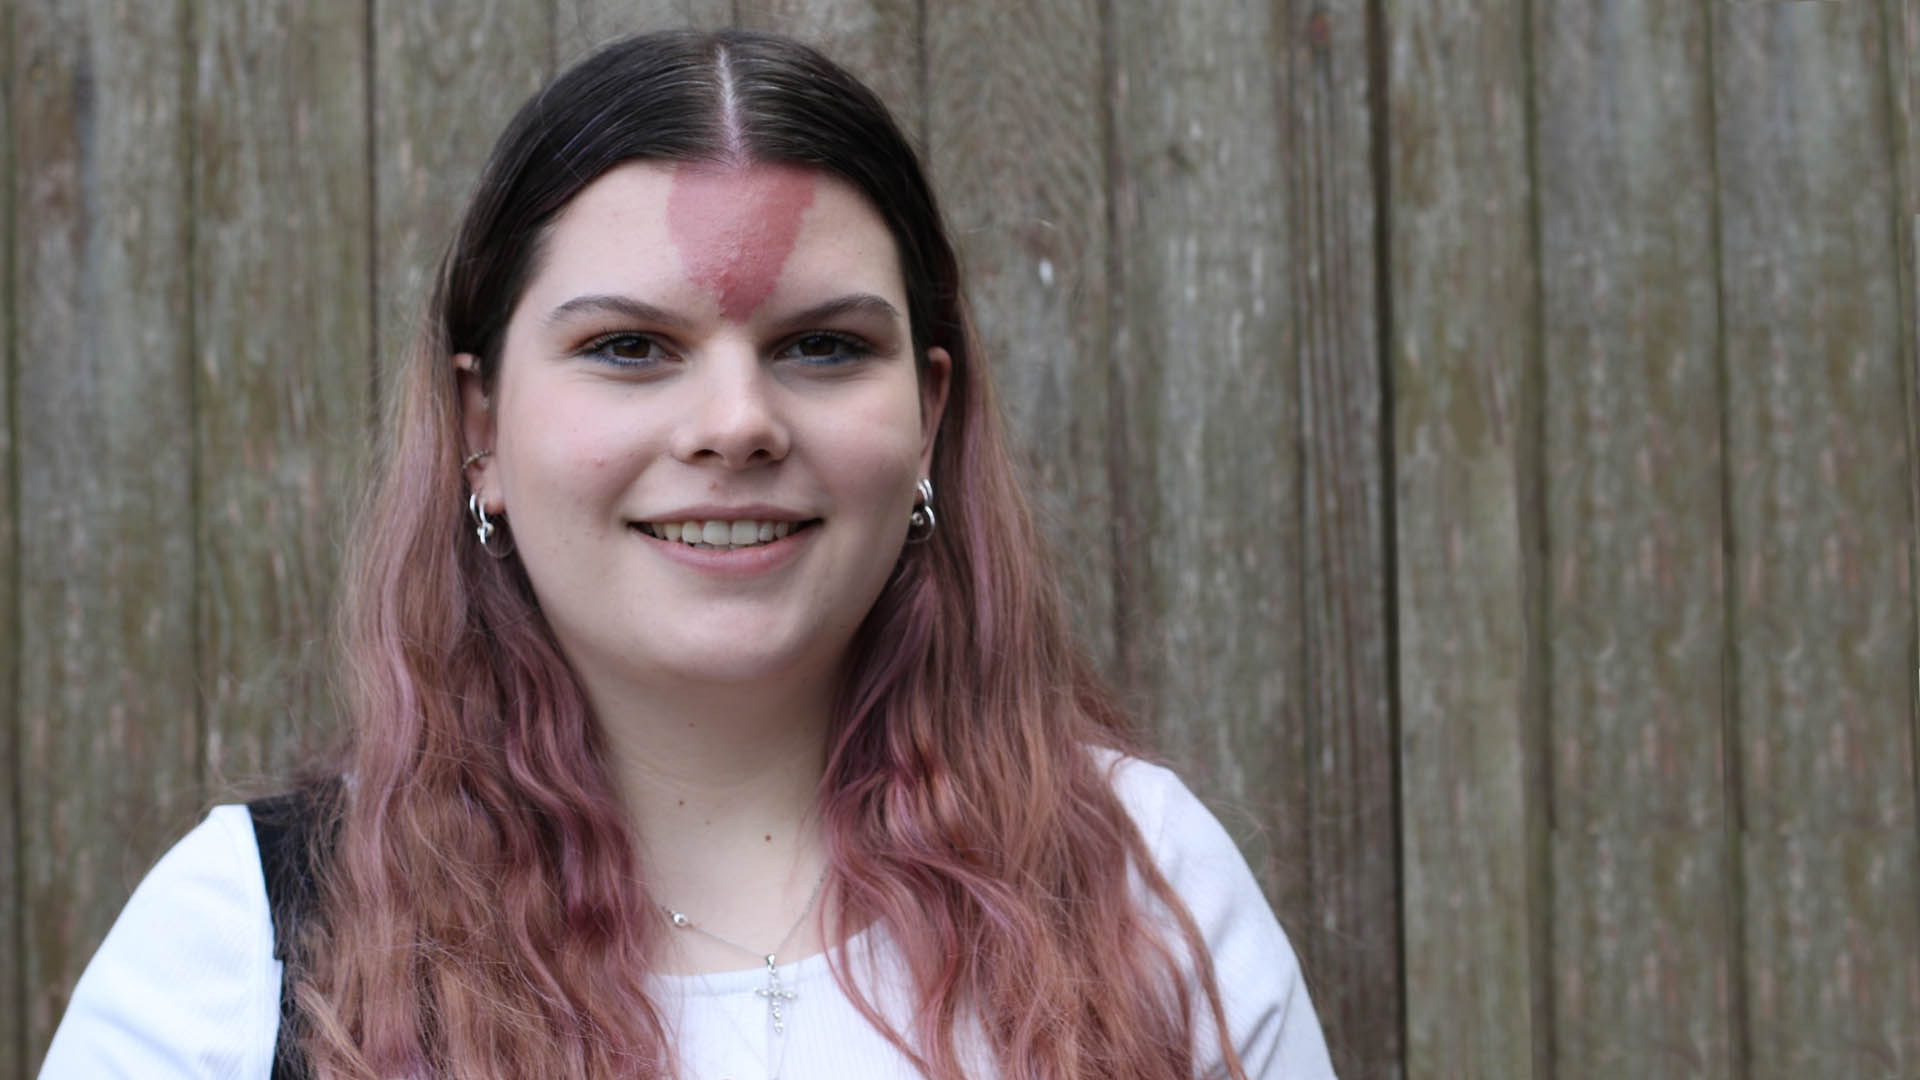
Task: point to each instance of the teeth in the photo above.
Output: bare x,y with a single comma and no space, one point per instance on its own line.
720,534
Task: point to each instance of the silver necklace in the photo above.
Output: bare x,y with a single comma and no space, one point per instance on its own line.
775,993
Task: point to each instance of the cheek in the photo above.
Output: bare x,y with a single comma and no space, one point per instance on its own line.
879,452
562,452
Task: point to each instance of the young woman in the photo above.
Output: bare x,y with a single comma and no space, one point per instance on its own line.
713,710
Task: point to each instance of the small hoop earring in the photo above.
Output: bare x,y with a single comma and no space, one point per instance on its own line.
484,528
921,523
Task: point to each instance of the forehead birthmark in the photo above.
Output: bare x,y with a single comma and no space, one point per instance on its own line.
735,226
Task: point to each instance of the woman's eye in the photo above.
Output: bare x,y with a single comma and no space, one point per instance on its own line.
626,350
827,348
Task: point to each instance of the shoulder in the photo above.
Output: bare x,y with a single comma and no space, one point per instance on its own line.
1269,1013
1189,845
185,983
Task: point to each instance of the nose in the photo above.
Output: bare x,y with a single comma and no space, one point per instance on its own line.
733,413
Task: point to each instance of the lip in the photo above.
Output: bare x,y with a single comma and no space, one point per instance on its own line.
744,562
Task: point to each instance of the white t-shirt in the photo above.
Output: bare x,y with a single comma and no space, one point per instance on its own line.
186,985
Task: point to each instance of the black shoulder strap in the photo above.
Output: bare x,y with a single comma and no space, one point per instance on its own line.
283,826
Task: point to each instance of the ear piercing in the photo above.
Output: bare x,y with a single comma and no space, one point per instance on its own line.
921,524
483,526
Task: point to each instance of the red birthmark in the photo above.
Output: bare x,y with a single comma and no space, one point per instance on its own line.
735,227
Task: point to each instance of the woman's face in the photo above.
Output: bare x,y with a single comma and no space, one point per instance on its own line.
707,424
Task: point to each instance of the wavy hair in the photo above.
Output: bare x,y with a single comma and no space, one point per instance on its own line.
479,905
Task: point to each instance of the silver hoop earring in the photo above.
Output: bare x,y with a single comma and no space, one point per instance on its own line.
483,528
921,524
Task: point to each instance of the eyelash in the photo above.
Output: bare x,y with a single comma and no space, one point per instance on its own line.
597,349
848,349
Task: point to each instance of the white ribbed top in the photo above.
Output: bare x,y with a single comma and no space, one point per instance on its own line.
185,984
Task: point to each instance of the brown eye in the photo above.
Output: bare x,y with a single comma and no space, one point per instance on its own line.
626,350
824,349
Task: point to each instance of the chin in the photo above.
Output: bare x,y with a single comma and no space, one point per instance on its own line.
725,664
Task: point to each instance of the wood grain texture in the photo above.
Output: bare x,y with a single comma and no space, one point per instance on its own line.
1641,947
106,706
579,26
877,40
13,1048
1206,378
1822,535
446,81
1463,282
1349,942
283,352
1168,219
1900,20
1015,99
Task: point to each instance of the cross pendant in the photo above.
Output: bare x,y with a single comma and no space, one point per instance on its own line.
776,996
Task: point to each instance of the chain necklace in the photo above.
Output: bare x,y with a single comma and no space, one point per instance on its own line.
776,995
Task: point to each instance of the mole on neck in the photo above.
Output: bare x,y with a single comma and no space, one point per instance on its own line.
735,225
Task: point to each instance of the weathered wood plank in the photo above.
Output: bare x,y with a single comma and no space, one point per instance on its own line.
447,80
106,707
579,26
13,1060
1902,17
1351,945
877,40
1901,22
284,345
1463,282
1641,946
1206,418
1821,541
1015,98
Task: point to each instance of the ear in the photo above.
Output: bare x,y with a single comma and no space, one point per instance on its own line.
935,378
476,426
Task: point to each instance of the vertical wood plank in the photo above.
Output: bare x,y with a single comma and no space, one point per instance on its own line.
580,26
1015,101
1904,16
106,547
1463,281
282,260
1350,946
878,40
13,1058
1900,20
1821,537
446,81
1641,947
1206,419
1900,27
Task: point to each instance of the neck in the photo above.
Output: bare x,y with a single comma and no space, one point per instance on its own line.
721,786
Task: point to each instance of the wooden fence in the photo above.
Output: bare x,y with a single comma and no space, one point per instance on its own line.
1480,434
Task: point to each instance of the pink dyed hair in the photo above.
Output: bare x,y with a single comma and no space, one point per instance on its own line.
478,909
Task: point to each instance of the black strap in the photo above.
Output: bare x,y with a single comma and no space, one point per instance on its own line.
283,826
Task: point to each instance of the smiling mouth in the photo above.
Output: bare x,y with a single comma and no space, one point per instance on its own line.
722,535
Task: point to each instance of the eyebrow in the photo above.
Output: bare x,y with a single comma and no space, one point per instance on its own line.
640,311
851,304
624,306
